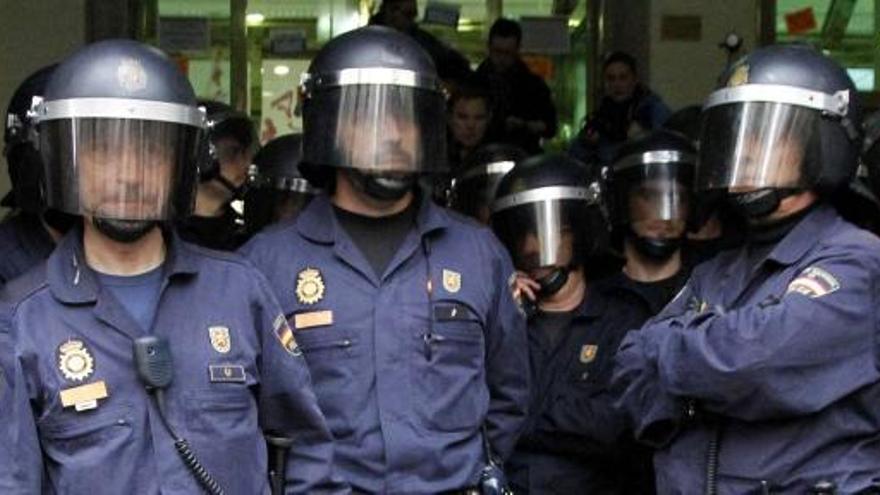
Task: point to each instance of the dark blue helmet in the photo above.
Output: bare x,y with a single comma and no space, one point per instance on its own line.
276,189
120,134
549,196
372,101
788,118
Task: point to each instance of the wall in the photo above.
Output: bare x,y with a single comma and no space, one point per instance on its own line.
684,72
34,33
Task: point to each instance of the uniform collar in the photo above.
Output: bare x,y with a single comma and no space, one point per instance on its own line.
804,235
73,281
318,221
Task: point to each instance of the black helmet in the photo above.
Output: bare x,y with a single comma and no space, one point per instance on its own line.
787,119
686,121
651,183
225,122
473,189
543,199
372,101
120,134
25,169
276,188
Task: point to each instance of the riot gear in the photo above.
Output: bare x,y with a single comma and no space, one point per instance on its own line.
543,202
651,182
276,188
788,120
474,187
120,135
25,168
371,101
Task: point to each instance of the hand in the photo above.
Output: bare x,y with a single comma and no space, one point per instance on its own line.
525,285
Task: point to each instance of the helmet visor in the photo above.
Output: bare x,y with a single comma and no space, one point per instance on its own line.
656,193
753,145
376,127
120,168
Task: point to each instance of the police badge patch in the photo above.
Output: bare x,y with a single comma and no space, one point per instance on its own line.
451,281
220,339
75,361
814,282
309,286
131,75
588,353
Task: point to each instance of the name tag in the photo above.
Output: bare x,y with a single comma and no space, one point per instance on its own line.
312,319
84,397
226,373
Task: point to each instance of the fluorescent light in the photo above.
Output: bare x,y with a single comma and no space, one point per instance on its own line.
281,70
254,19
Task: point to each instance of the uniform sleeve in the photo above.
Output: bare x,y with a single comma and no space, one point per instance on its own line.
21,468
546,108
654,414
786,356
507,362
288,406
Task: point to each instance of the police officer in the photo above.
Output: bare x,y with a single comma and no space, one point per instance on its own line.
548,213
474,187
28,236
650,182
120,136
276,190
401,308
217,220
759,377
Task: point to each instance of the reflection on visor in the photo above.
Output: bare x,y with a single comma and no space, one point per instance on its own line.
377,127
116,168
754,145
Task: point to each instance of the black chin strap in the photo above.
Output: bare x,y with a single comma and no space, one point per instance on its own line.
553,282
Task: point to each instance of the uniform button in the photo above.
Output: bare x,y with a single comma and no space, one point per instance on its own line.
120,422
346,343
585,375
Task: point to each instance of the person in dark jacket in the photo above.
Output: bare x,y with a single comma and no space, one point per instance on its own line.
524,112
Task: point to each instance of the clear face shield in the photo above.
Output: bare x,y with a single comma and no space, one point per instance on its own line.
474,190
375,120
541,228
107,166
654,196
764,137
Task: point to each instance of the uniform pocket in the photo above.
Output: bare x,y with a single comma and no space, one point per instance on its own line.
80,441
450,374
230,410
330,354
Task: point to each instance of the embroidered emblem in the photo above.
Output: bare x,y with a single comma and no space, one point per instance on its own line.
75,361
309,286
220,339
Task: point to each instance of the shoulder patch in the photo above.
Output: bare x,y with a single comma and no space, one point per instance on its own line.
814,282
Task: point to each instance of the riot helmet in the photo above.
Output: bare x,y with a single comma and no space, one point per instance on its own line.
787,120
473,189
276,188
651,182
548,212
231,135
372,104
120,134
25,168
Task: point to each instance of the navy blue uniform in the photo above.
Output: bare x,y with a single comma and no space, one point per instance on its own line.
405,378
24,243
75,389
575,440
768,365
